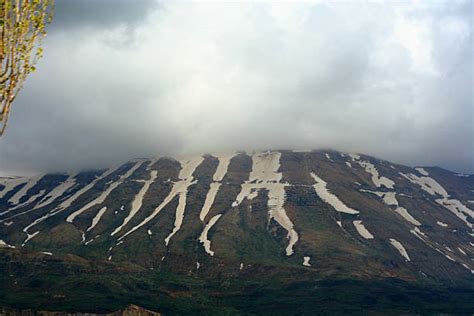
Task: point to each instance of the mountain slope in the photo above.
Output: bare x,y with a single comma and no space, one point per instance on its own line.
324,213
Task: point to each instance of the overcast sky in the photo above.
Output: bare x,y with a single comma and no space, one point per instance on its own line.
123,79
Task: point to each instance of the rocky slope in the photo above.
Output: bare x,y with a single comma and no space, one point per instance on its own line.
321,213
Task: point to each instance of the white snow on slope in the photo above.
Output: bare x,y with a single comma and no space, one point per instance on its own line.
427,184
15,199
395,243
64,205
459,209
222,167
203,238
97,218
5,245
29,237
329,157
376,178
180,188
210,197
403,212
306,261
137,201
434,188
30,200
422,171
186,180
467,267
390,199
221,171
442,224
265,175
46,253
57,192
348,164
362,230
328,197
10,183
418,233
101,198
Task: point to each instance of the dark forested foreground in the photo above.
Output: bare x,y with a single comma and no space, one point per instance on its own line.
263,292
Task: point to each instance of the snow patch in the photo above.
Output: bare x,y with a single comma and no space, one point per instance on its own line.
30,200
29,237
46,253
210,197
265,175
328,197
422,171
390,199
348,164
11,183
329,157
15,199
57,192
65,204
97,218
101,198
137,201
203,239
427,184
306,261
221,171
442,224
395,243
376,178
5,245
362,230
403,212
459,209
222,167
186,180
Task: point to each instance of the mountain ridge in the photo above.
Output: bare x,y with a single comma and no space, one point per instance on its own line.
323,214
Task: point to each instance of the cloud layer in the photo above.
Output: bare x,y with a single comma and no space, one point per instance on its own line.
393,81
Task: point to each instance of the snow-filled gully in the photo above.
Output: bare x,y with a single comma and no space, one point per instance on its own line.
138,201
432,187
64,205
101,198
15,199
10,183
265,175
390,199
397,245
180,189
378,180
322,191
221,171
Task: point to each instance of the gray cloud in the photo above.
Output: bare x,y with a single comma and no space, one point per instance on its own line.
393,81
103,14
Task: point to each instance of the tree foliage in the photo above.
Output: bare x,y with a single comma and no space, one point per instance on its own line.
22,28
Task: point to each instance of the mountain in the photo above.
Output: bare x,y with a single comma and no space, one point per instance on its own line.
293,232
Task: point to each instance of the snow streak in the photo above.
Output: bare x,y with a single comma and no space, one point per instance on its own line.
265,175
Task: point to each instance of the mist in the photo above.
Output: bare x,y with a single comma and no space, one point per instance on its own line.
123,79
